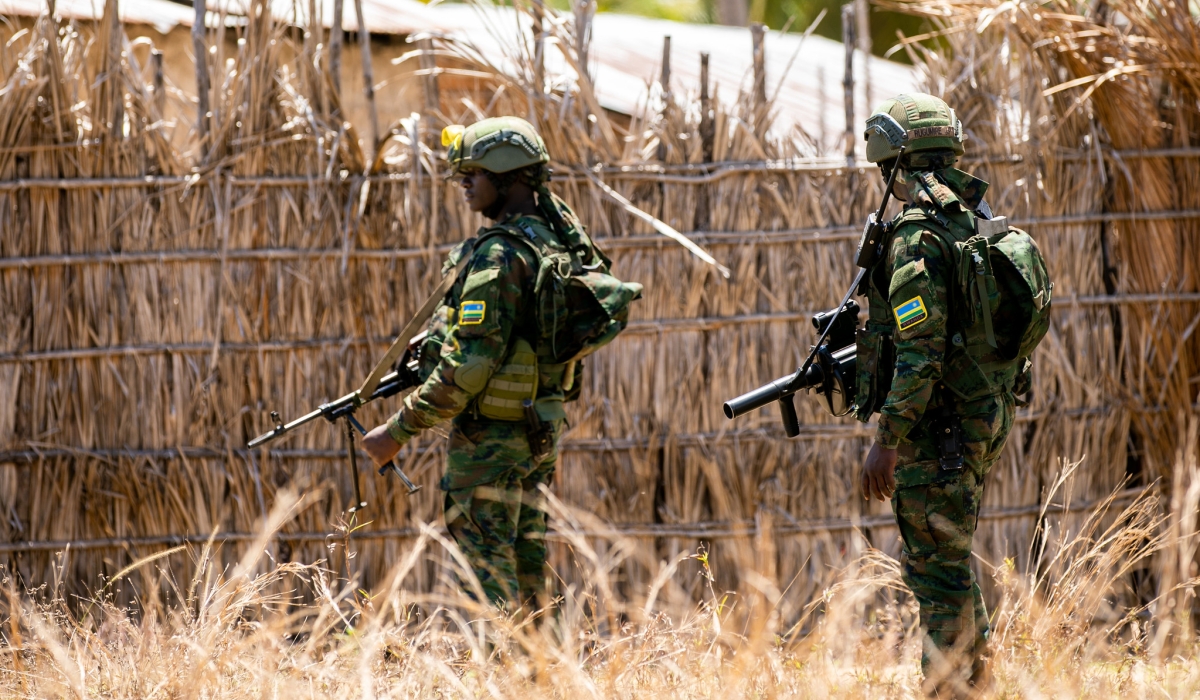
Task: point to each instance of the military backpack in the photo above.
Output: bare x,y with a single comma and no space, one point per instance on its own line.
1000,301
579,306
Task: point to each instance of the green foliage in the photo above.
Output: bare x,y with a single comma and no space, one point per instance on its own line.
797,15
884,25
776,14
698,11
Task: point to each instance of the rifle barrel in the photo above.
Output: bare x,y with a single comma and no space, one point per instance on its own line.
280,430
391,384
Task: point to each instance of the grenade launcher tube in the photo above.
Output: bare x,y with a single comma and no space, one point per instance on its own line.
781,389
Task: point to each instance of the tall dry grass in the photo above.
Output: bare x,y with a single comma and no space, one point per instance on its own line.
270,263
290,630
293,250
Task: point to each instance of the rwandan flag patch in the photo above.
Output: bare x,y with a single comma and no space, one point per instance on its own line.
910,313
472,313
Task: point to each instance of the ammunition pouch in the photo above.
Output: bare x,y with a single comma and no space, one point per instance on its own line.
511,396
514,382
876,358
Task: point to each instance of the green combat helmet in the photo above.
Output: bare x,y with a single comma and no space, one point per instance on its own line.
918,122
498,145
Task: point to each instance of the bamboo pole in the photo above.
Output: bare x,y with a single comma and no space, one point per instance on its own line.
200,50
848,80
335,49
703,218
539,50
116,36
822,118
680,325
647,173
665,75
584,11
364,46
757,39
664,82
707,127
811,433
694,530
429,82
863,30
827,234
160,91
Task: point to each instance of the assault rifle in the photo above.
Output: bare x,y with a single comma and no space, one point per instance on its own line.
831,365
831,372
403,376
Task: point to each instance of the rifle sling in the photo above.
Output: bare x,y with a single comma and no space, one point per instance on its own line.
410,329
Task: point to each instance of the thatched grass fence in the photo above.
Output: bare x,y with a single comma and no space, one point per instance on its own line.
157,303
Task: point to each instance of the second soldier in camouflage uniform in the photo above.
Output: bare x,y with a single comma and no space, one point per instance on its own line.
913,358
478,366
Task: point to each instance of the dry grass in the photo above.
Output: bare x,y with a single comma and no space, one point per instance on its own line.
101,443
245,631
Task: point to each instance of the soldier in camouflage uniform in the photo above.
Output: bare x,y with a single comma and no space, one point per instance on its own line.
913,357
478,367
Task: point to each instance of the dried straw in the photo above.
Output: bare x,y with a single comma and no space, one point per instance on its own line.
149,329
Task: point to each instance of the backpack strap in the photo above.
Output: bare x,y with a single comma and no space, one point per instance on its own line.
411,328
982,260
525,234
423,315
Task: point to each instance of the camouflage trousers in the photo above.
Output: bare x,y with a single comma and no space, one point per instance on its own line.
937,521
500,525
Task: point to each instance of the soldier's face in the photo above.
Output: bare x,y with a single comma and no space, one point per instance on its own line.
478,190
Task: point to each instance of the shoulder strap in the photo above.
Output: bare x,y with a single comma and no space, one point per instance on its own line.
520,233
413,327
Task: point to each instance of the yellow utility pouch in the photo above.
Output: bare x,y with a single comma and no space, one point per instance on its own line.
514,382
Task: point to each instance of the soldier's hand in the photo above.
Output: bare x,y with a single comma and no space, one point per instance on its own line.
380,446
879,473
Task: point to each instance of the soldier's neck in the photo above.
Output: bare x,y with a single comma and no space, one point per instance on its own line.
523,207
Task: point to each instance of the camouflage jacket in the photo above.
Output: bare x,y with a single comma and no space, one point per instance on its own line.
904,345
472,331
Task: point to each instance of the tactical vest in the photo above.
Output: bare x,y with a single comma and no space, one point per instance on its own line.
578,308
999,296
513,382
575,309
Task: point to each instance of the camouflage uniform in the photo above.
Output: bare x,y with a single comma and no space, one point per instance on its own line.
492,505
914,349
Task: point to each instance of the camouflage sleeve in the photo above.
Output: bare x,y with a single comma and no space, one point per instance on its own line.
919,297
476,342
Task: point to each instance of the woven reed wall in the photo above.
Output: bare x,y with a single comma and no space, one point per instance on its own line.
150,325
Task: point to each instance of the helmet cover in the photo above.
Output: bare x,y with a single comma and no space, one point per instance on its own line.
498,145
919,122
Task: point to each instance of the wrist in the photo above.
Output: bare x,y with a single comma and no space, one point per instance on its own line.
398,431
887,440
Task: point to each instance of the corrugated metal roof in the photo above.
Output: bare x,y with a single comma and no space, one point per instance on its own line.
381,16
625,51
626,55
161,14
